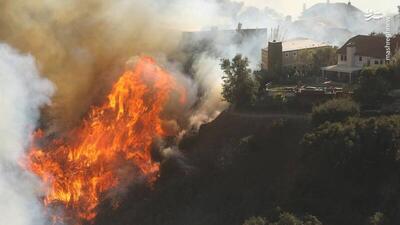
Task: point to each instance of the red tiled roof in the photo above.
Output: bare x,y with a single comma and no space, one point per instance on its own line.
372,46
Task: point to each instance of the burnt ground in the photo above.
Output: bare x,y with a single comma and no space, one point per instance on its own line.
238,166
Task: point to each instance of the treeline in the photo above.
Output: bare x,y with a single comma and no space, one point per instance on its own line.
377,84
347,170
353,160
245,89
350,161
377,87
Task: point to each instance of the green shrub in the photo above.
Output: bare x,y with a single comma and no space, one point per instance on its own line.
256,221
374,87
335,110
285,218
377,219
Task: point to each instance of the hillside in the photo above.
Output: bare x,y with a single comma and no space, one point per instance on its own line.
244,164
235,167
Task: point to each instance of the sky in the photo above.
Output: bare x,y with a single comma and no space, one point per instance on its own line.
294,7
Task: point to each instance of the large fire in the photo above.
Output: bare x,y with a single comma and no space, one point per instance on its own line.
112,144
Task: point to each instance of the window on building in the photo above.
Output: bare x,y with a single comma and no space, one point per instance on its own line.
381,61
294,53
360,58
345,58
287,54
376,62
341,57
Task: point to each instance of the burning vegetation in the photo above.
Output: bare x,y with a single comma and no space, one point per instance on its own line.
111,148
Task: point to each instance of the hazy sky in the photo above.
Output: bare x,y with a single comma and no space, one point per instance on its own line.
294,7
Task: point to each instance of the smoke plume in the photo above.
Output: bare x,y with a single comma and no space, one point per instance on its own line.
82,46
22,93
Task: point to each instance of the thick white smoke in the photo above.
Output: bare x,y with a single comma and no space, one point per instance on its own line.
208,77
22,93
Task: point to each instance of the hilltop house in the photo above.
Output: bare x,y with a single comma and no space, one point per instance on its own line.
356,53
289,53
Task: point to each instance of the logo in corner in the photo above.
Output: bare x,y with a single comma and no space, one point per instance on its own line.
372,15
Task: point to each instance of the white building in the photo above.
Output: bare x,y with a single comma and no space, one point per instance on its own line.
356,53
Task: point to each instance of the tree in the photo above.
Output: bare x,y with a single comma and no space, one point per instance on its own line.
285,218
357,143
311,220
316,59
373,89
239,86
289,219
256,221
355,164
334,110
377,219
390,73
323,57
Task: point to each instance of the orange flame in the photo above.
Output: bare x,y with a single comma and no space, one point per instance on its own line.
115,138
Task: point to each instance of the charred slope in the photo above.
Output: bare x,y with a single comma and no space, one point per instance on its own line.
238,166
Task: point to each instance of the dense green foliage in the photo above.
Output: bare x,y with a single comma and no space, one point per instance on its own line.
319,58
375,84
373,89
240,87
323,57
284,218
362,140
377,219
354,164
256,221
334,110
